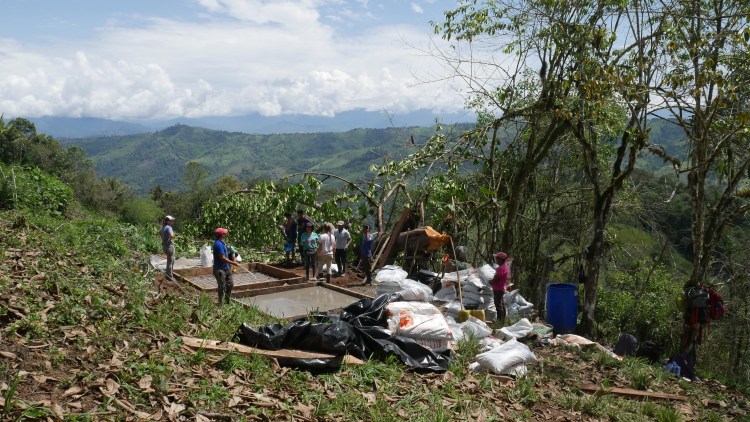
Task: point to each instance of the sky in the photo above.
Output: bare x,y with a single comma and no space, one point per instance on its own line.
158,59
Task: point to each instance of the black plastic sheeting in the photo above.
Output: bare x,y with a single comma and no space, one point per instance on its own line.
358,331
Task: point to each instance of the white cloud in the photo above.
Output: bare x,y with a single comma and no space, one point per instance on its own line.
416,8
270,57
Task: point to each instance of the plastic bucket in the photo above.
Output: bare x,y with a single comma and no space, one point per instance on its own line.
562,307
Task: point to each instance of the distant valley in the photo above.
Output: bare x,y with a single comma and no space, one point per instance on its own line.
144,161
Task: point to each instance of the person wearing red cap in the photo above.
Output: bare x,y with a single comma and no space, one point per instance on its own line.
222,263
499,283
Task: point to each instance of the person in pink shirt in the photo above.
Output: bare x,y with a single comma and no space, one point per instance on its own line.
499,283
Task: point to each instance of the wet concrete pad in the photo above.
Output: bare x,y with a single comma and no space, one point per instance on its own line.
298,302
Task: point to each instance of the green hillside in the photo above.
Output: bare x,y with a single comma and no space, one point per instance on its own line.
147,160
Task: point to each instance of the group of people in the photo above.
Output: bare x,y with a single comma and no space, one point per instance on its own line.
321,250
315,250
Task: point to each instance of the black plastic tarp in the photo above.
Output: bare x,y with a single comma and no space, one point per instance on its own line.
359,330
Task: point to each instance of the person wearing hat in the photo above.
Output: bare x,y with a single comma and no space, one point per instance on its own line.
302,220
167,245
499,283
343,239
309,242
222,266
326,246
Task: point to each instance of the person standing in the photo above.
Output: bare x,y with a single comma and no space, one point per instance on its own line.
290,233
499,283
309,242
367,240
167,245
222,263
343,239
302,220
326,245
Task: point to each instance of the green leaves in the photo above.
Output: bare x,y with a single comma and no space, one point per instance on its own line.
32,189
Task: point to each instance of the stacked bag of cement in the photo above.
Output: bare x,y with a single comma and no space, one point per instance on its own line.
421,322
477,293
516,305
486,273
392,279
388,279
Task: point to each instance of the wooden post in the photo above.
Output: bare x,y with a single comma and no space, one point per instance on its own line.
393,237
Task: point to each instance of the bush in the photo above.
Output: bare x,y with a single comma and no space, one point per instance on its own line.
641,303
32,189
140,211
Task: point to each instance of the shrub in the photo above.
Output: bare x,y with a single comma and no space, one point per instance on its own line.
32,189
140,211
642,303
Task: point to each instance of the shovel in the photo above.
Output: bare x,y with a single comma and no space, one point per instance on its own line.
463,314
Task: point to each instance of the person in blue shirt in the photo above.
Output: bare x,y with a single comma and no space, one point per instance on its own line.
302,220
367,240
309,241
222,266
290,233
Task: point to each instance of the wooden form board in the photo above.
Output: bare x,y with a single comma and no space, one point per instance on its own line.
226,346
284,277
628,392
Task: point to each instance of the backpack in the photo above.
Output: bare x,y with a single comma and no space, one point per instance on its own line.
697,306
716,307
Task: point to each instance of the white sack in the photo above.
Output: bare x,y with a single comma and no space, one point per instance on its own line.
458,333
392,273
395,308
475,327
415,294
486,273
517,330
409,324
414,290
446,294
505,357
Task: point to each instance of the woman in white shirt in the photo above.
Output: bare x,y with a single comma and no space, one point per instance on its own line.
326,246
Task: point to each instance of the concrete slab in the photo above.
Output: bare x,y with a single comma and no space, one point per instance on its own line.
298,302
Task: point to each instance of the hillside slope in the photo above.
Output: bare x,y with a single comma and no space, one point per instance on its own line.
147,160
88,333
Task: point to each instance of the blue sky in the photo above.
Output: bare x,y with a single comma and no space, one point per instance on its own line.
140,59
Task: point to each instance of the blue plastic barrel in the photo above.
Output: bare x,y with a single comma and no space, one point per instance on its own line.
562,307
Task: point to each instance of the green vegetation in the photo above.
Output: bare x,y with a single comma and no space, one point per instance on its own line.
160,159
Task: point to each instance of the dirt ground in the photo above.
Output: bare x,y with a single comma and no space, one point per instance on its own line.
351,280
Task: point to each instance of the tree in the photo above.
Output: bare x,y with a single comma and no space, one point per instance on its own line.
706,90
578,69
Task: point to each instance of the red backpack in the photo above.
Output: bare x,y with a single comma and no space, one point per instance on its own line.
716,307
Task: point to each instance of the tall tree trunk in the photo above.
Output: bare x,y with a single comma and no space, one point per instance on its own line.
594,258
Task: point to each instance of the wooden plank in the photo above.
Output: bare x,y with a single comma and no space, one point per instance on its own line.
273,289
628,392
226,346
344,290
394,237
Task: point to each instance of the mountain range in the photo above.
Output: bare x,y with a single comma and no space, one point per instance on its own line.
84,127
147,160
159,158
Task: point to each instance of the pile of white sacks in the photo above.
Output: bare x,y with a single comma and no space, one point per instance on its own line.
415,317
